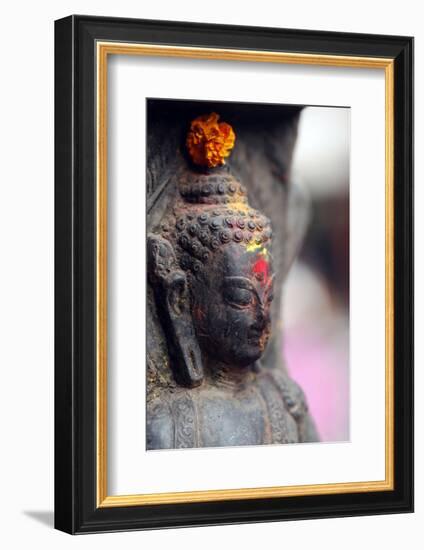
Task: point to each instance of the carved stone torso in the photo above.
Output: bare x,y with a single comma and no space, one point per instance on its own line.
267,408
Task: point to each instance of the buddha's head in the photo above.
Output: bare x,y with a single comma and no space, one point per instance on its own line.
211,265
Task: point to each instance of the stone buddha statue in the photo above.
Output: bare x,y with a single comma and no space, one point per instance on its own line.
211,277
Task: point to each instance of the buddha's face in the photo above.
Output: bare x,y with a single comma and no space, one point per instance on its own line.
231,304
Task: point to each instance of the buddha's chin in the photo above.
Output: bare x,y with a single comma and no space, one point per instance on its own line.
241,356
251,353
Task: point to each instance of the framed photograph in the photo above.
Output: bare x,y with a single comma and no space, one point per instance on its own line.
234,274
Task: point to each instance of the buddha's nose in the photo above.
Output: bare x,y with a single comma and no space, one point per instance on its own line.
262,316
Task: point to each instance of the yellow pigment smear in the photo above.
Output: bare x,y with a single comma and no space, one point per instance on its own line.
251,247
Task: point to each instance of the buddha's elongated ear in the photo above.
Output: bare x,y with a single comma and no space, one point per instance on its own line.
172,298
298,212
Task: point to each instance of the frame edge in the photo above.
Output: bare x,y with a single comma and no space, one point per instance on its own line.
64,448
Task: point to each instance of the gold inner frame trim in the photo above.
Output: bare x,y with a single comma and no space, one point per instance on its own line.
103,50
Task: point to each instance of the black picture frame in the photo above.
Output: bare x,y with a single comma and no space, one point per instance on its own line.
76,509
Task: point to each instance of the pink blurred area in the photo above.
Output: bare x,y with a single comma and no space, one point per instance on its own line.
316,350
319,370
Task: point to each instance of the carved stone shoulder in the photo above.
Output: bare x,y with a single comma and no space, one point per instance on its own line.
160,426
296,404
171,422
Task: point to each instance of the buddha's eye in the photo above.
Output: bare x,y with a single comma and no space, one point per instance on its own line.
238,297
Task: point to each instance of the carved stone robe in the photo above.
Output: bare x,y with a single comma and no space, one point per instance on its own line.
268,408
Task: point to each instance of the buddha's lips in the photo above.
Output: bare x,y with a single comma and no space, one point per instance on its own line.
261,268
259,339
264,339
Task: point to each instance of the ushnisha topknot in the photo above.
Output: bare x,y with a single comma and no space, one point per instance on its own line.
219,187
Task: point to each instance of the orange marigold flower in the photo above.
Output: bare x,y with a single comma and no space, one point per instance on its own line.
209,142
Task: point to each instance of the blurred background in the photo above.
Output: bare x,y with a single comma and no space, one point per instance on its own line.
316,294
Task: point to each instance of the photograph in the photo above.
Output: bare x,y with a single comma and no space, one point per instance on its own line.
248,274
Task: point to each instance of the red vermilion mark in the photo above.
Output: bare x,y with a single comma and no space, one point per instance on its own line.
260,270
